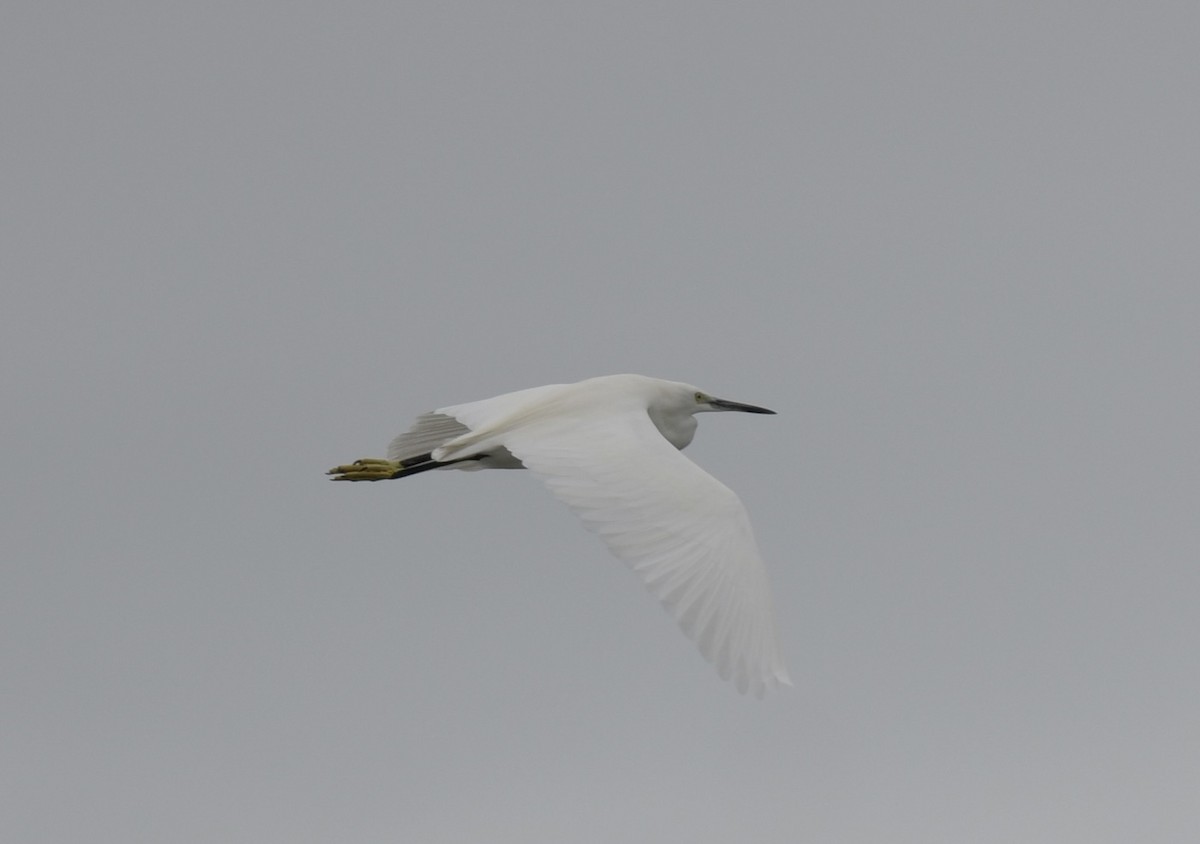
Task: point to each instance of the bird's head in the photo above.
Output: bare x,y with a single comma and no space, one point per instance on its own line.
673,407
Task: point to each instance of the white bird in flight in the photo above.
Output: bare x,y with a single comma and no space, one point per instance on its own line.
609,448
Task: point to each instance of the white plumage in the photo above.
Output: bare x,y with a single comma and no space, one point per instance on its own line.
609,448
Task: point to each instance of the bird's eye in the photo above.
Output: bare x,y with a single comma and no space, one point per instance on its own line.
700,398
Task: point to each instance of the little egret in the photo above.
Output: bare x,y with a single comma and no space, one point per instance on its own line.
609,448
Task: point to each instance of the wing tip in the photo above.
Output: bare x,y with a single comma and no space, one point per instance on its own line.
757,683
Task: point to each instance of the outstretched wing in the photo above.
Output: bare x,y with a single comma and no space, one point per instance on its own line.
681,530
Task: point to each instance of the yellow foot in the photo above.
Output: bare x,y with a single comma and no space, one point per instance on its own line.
367,469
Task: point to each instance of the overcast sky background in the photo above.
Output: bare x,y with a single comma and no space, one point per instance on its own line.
955,245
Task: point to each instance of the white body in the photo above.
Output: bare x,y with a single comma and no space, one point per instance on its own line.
609,448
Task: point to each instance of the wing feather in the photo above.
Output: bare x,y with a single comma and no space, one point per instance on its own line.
681,530
427,433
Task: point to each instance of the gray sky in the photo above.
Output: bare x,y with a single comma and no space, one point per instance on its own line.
953,245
